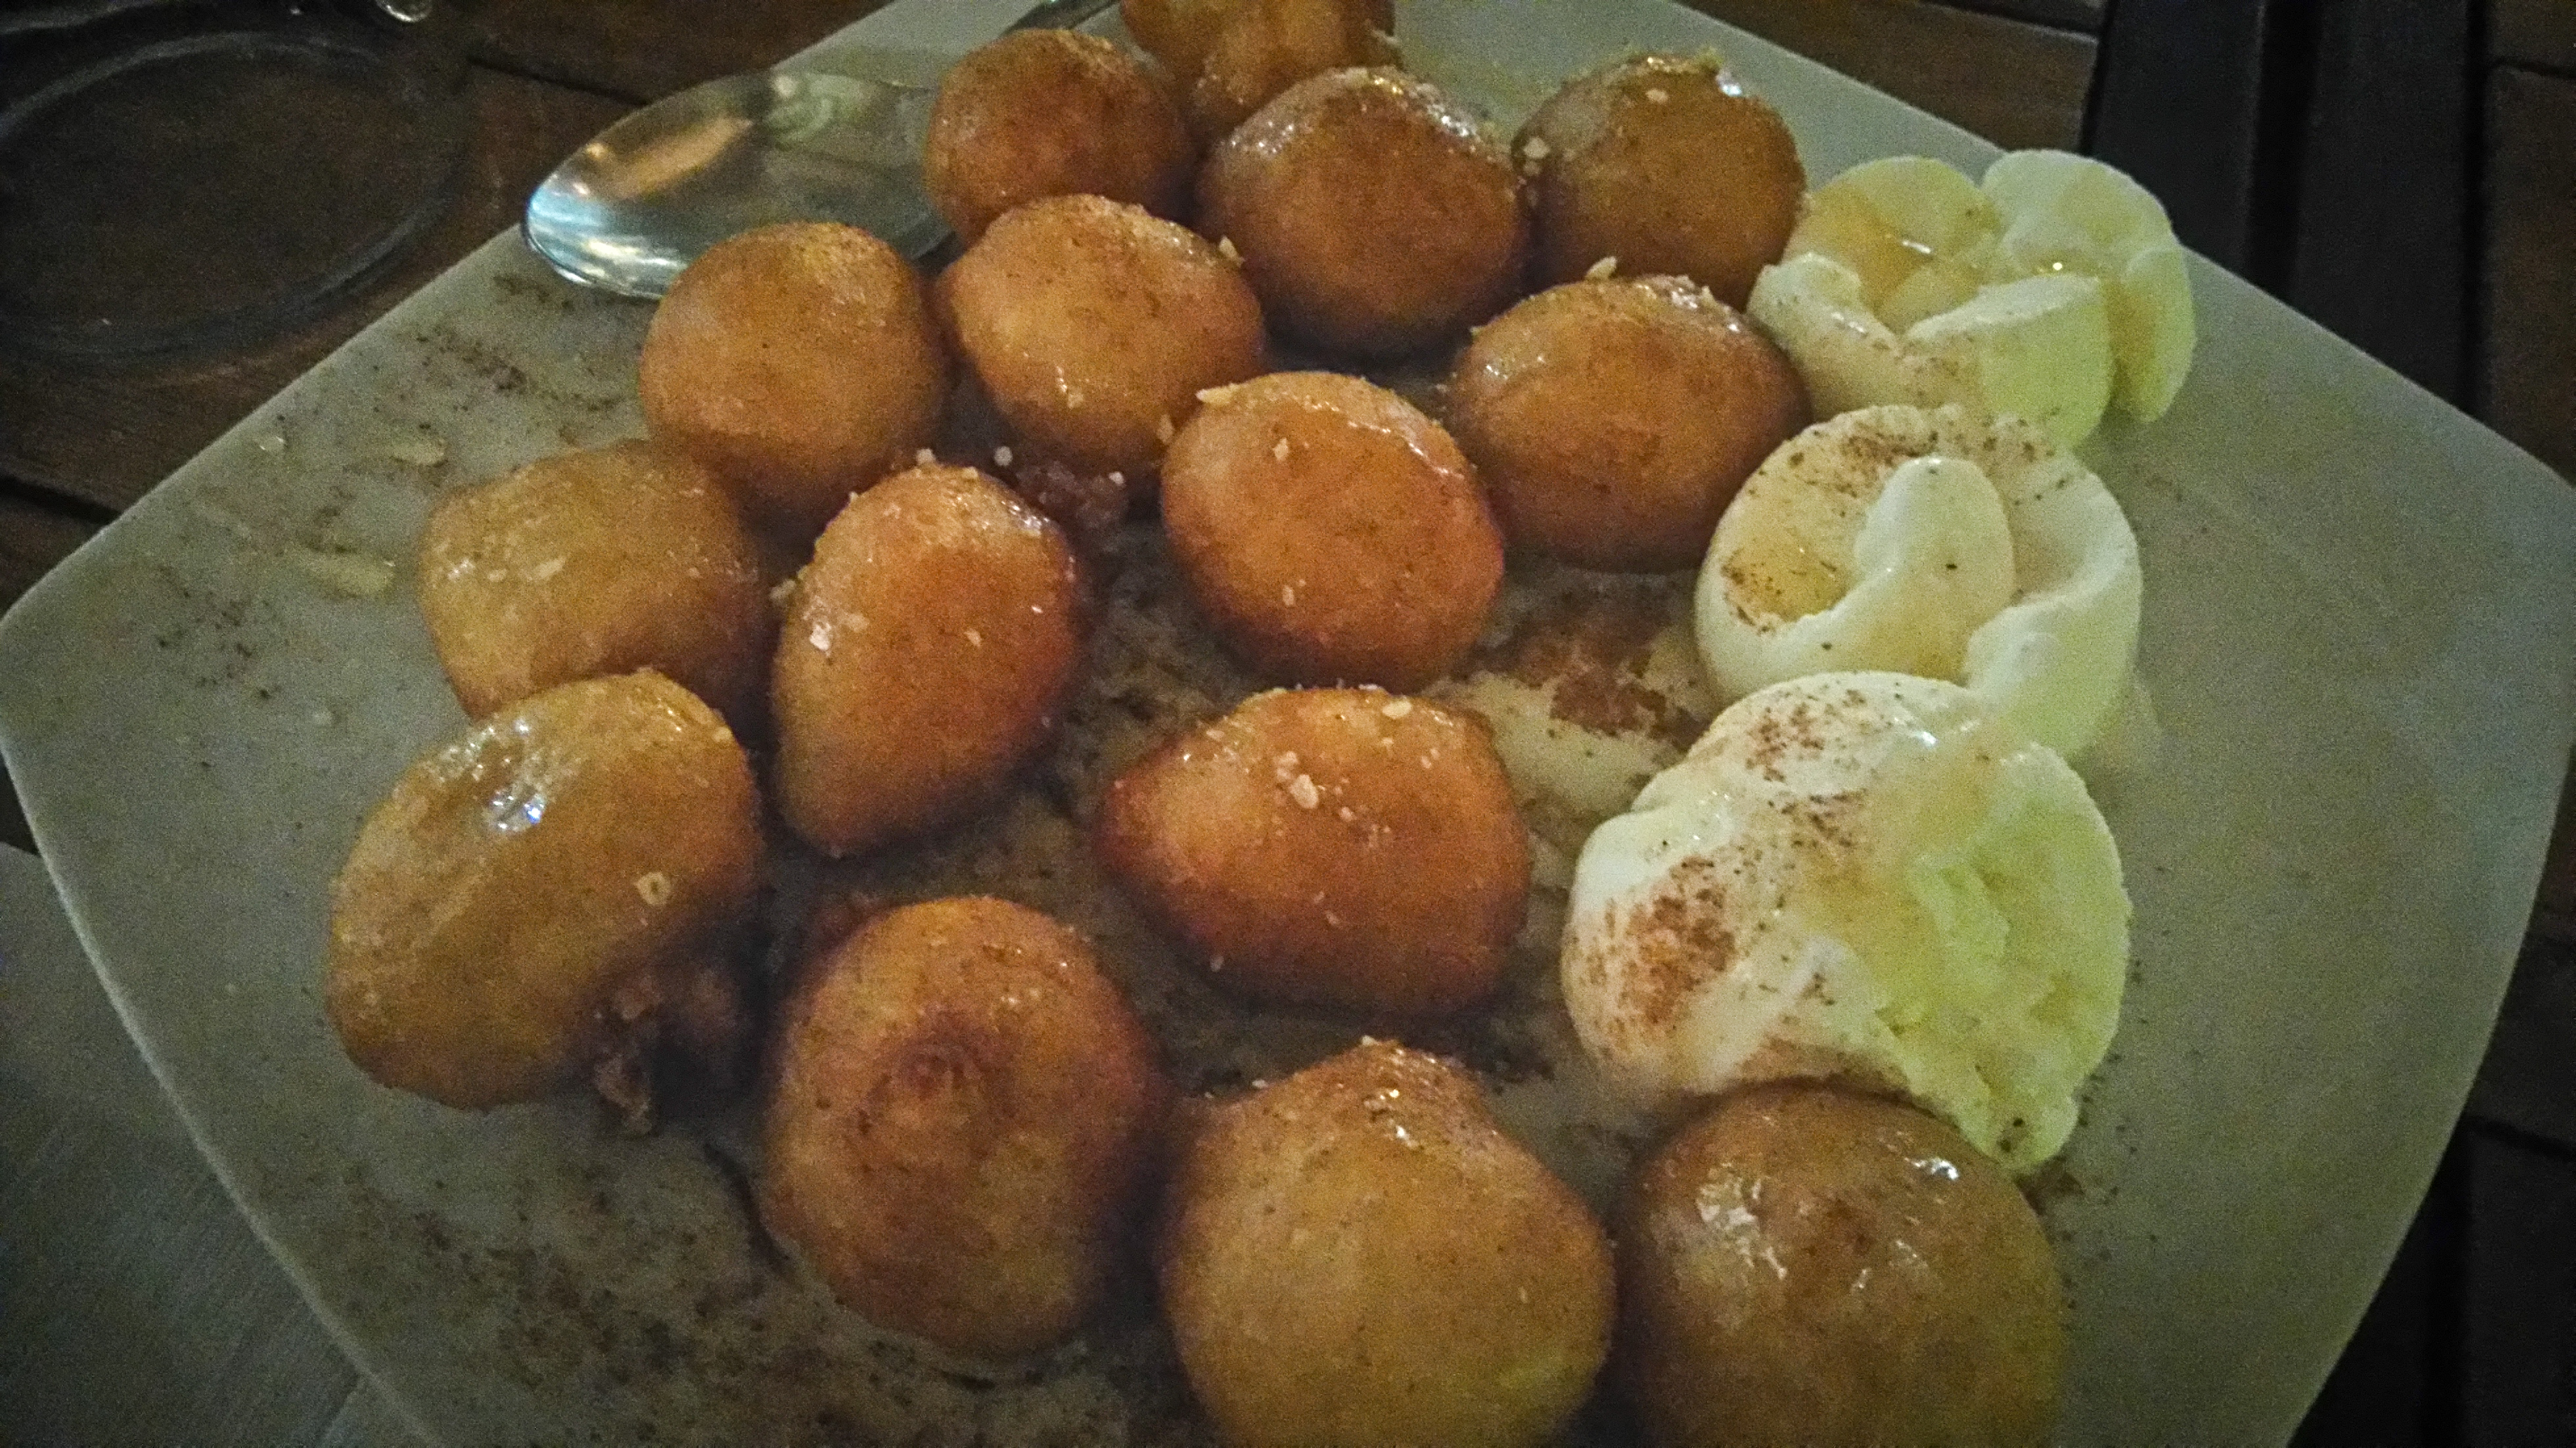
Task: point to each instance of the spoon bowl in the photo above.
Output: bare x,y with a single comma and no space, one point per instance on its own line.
632,208
842,142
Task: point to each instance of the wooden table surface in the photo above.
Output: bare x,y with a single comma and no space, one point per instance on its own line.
2402,170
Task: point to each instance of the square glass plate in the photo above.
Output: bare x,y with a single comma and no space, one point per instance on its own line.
2360,636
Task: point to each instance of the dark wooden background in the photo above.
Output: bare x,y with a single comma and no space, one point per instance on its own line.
2402,170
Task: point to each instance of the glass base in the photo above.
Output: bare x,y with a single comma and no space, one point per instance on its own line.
210,190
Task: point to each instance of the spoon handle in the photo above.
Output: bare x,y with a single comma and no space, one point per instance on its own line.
1059,14
920,70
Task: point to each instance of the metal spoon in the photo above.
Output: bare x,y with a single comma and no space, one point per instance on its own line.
836,142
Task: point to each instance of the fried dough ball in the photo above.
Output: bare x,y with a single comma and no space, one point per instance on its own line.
1614,419
1347,848
1234,55
551,893
1331,532
595,562
1053,113
1179,33
1358,1255
797,361
1375,215
1809,1265
926,652
1094,326
1267,46
963,1127
1668,164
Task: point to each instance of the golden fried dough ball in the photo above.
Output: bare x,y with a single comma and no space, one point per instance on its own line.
1670,165
1375,215
1266,46
926,652
963,1126
1335,847
1358,1255
1053,113
1232,56
1808,1265
1613,420
595,562
546,895
1330,531
1094,325
799,362
1179,33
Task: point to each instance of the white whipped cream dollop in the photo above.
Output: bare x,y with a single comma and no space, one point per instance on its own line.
2050,292
1864,877
1943,543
